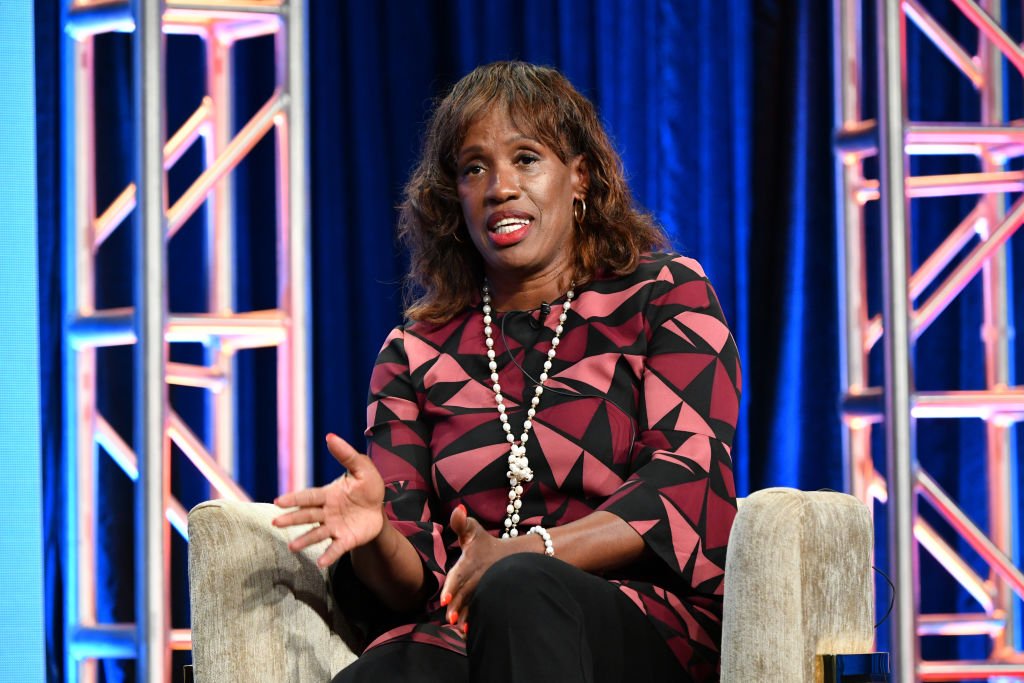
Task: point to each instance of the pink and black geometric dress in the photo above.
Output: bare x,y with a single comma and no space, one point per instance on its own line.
637,418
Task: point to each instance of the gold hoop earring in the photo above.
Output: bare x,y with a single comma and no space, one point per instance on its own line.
580,215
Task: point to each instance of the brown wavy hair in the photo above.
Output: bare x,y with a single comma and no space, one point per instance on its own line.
445,270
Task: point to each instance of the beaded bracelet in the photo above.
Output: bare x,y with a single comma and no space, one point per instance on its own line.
549,547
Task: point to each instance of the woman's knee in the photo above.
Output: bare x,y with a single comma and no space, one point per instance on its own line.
406,661
513,570
515,581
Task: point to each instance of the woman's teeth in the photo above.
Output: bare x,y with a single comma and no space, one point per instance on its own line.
507,225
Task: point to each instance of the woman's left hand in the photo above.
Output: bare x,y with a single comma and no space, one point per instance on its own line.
479,551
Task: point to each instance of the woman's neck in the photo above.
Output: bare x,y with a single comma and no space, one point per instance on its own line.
511,293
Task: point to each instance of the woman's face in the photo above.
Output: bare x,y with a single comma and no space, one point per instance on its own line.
517,199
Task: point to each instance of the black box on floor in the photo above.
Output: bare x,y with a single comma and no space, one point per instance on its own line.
871,667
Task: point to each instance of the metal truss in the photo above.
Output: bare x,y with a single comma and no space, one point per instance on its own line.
144,208
912,301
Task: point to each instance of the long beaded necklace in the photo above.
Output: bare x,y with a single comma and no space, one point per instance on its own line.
518,464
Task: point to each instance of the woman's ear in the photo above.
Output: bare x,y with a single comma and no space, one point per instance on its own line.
580,177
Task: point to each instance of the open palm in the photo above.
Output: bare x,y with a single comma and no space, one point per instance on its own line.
348,510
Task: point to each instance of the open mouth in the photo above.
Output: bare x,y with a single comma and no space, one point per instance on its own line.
507,226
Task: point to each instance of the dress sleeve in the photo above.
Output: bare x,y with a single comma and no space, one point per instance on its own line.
399,446
680,495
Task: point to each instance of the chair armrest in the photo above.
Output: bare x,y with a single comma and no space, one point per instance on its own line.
259,611
798,583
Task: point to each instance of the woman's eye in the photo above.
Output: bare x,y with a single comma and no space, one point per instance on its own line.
527,159
472,169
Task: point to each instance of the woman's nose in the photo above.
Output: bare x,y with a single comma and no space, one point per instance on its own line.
504,185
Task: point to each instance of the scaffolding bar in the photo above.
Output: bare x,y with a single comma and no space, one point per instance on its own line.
969,671
152,542
954,564
181,639
85,21
991,30
114,327
221,408
187,134
852,303
148,323
110,327
251,133
857,138
193,448
79,365
979,403
970,532
265,328
234,31
122,454
227,7
967,269
962,274
973,224
294,411
113,216
954,184
949,185
969,134
175,148
997,337
103,641
201,376
177,516
899,424
959,625
860,139
229,27
117,448
946,44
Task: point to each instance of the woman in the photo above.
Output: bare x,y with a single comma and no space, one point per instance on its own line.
548,489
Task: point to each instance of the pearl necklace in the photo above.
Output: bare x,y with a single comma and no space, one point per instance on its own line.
518,464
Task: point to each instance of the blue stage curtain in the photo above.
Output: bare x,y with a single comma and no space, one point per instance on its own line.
722,112
50,315
672,81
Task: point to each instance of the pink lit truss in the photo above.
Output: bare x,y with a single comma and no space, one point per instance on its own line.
149,327
973,249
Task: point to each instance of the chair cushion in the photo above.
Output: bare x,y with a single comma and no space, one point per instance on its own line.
798,583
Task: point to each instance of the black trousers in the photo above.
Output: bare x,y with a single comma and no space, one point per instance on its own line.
535,619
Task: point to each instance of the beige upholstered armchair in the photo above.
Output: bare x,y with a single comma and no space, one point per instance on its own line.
798,583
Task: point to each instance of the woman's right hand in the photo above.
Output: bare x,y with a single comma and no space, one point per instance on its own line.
349,510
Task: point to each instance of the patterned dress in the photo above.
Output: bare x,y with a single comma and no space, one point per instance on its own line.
637,418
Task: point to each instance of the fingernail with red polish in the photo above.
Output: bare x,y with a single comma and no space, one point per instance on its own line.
453,617
465,628
445,599
460,505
